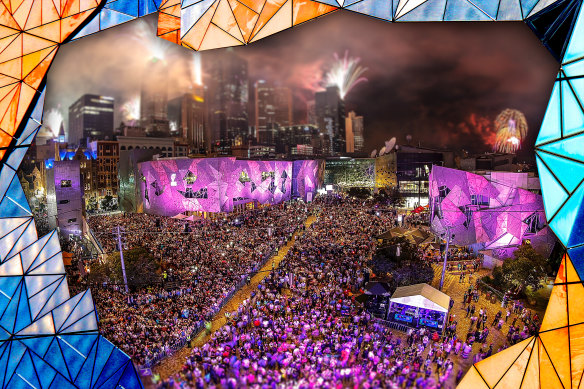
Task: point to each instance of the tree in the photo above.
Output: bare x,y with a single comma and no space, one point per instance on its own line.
525,270
390,196
91,205
141,269
360,193
108,204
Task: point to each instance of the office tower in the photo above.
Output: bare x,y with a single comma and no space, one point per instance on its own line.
91,116
330,116
189,112
154,99
273,105
354,133
227,100
65,207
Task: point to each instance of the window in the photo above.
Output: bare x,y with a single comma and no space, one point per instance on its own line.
190,178
65,183
64,202
72,220
479,200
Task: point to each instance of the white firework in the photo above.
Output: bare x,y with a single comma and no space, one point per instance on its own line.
345,74
196,69
52,121
131,110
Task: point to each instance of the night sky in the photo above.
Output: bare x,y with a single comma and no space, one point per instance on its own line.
442,83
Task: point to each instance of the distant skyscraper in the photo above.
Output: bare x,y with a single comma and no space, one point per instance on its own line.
310,112
330,117
189,113
154,99
354,133
228,97
91,116
273,105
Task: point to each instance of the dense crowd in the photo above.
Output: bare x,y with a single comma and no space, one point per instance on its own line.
206,261
303,328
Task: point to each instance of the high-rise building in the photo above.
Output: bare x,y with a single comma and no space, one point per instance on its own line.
154,99
330,117
273,105
227,99
354,133
91,116
65,208
189,113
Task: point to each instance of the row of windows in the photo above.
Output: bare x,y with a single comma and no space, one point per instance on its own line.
146,148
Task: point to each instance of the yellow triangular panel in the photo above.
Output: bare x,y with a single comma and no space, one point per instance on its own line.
531,376
472,380
547,374
557,344
577,353
255,5
575,299
280,21
225,20
571,275
36,75
216,38
493,368
556,314
514,376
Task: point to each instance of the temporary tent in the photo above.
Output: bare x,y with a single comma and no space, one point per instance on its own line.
419,305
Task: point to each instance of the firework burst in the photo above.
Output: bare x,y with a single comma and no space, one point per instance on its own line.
131,111
52,121
511,127
196,71
345,74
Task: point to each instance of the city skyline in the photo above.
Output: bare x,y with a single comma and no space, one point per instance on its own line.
452,97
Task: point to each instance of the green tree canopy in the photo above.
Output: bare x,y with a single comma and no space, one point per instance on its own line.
527,268
141,269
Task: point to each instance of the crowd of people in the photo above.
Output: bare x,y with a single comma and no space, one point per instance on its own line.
206,260
303,327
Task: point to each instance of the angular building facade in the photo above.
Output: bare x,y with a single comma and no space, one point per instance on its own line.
91,117
65,205
495,215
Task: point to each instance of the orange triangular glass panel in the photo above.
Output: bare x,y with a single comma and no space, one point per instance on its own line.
561,276
26,95
34,18
514,376
50,12
5,140
58,5
10,47
32,43
9,115
195,35
5,80
571,274
6,18
575,298
70,24
172,36
7,31
556,314
556,344
577,353
246,18
12,68
173,10
217,38
21,14
547,374
49,31
472,380
254,5
280,21
305,10
531,377
493,368
84,5
167,23
167,3
71,8
14,5
268,10
32,60
225,20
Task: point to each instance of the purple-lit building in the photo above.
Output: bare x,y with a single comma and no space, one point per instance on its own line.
170,187
65,206
492,215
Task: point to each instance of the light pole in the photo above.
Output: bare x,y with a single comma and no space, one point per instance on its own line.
445,258
122,258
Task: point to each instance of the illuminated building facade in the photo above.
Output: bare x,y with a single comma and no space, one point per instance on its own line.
190,114
330,117
91,117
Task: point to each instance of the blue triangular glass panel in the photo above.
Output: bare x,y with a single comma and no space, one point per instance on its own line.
109,18
54,357
570,173
26,371
376,8
572,111
578,87
30,138
574,69
6,176
347,2
104,349
577,256
72,358
45,372
61,383
509,10
90,28
40,345
146,7
563,222
130,377
462,10
490,7
190,15
11,209
431,10
83,379
8,318
186,3
575,47
527,6
8,286
82,343
553,193
129,7
569,147
31,126
23,318
16,157
577,231
113,365
16,352
112,380
16,193
37,113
